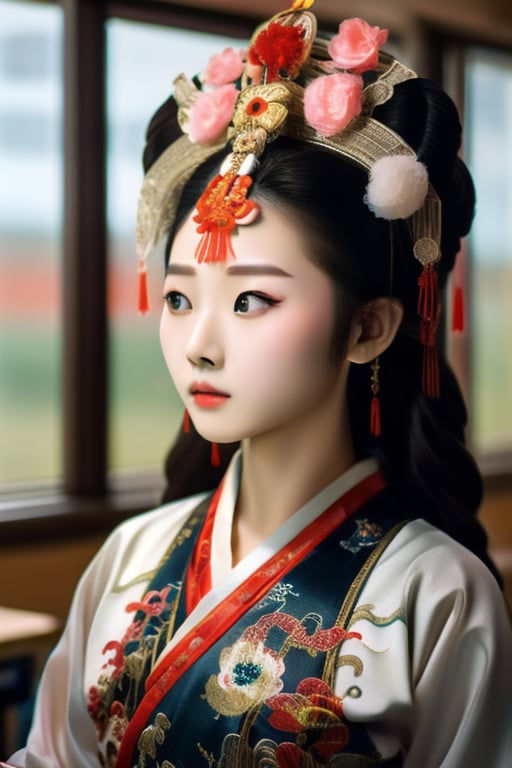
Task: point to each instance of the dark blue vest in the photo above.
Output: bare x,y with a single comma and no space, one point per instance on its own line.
262,696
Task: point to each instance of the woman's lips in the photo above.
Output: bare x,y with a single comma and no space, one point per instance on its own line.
206,396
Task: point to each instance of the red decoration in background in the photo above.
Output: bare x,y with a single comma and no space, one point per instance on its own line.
458,310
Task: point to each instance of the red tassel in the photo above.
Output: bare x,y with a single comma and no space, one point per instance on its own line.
215,455
430,380
143,302
458,310
222,206
428,300
186,421
375,429
430,376
428,310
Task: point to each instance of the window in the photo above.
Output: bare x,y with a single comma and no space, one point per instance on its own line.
488,130
144,410
30,241
85,399
68,128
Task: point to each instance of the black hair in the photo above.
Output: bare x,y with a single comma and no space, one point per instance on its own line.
422,448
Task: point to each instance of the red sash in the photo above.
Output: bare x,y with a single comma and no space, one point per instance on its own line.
216,623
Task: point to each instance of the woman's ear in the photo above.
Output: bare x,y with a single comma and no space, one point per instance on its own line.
373,328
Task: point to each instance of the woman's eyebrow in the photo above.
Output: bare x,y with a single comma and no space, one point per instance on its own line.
180,269
233,269
256,269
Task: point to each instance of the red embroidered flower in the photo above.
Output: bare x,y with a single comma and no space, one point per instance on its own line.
314,710
153,603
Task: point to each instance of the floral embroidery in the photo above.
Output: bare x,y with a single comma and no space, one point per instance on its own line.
150,737
315,714
250,672
112,700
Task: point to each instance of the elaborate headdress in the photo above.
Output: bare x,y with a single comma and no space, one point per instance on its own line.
293,84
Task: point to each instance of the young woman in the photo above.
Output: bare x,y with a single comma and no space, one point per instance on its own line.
332,602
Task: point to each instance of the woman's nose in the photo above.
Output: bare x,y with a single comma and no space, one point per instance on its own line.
204,347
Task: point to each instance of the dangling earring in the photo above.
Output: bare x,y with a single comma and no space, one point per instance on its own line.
215,455
375,403
215,452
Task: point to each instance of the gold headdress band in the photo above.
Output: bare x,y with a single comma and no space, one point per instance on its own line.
289,82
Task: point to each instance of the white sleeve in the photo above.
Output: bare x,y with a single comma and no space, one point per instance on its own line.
435,659
62,733
461,644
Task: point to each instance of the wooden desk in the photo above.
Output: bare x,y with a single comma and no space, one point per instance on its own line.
26,638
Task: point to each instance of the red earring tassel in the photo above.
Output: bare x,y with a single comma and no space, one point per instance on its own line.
375,425
375,428
215,455
214,452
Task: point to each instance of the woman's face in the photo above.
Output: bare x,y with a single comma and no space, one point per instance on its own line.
248,343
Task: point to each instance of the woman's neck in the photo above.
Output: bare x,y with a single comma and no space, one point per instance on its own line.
281,473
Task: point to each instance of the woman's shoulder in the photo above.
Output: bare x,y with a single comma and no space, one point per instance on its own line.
139,540
423,566
164,515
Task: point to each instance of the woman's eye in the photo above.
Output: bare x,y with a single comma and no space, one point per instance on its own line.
177,302
252,302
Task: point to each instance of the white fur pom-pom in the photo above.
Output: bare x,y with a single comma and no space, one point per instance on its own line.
397,186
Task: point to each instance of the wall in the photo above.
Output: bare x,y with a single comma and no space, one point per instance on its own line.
42,576
487,19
